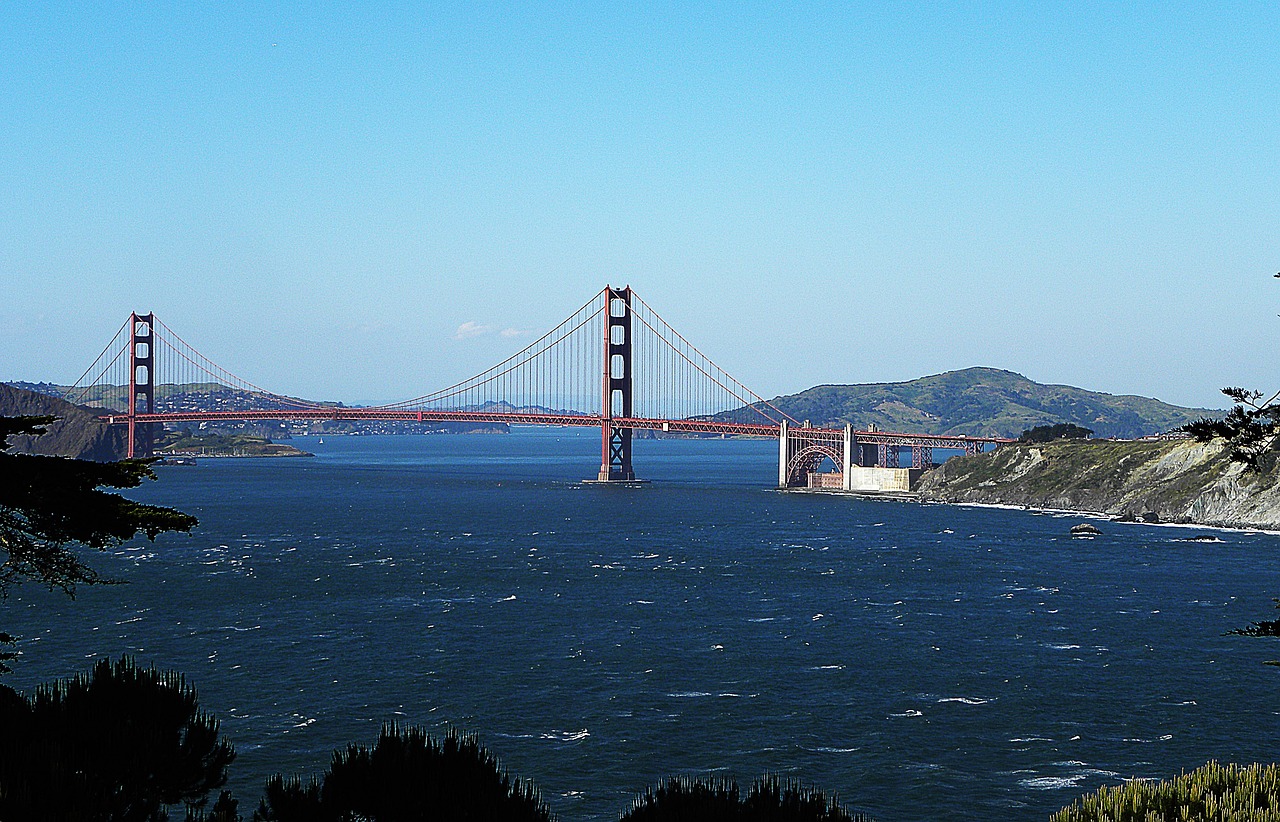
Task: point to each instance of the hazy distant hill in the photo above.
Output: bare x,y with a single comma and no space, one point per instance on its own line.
211,396
195,396
984,402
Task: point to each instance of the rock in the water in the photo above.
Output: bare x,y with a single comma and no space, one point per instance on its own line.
1084,529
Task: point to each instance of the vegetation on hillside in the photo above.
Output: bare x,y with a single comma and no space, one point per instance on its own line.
174,396
1223,793
1049,433
983,402
186,443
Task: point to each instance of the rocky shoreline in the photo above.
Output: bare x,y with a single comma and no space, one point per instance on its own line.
1174,482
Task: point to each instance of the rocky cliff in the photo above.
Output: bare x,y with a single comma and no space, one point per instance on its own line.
1176,481
76,433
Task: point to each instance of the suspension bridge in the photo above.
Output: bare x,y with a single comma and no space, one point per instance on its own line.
613,364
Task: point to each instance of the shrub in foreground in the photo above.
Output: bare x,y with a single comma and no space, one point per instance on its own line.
119,743
406,775
1223,793
712,799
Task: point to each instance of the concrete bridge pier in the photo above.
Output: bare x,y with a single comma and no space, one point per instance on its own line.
846,464
782,455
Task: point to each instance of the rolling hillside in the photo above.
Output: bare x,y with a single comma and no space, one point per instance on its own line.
984,402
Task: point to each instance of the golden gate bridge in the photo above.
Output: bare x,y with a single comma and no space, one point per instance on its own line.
613,364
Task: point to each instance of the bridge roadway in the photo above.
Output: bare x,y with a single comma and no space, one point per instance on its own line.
685,426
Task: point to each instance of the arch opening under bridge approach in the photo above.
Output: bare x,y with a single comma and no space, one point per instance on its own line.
808,460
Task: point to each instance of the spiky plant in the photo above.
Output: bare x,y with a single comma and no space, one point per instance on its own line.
1222,793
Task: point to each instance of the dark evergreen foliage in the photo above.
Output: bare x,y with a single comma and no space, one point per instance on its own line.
406,775
7,656
1049,433
226,809
120,744
49,505
1264,628
712,799
1251,427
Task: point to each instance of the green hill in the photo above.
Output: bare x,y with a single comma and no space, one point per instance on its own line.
985,402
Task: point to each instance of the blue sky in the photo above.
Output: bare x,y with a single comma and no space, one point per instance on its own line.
319,196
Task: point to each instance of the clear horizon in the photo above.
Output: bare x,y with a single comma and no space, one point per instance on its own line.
367,204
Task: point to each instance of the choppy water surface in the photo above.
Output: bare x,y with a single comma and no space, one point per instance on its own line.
926,662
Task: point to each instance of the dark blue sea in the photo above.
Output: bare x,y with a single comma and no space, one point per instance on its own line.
926,662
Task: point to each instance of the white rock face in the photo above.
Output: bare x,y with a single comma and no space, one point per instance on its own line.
1181,481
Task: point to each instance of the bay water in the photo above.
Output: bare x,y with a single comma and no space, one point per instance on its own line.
924,662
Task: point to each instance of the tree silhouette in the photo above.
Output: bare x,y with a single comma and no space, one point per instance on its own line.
119,743
718,800
1251,428
49,505
1252,431
406,776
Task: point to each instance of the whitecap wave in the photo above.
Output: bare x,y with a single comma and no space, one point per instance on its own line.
1051,783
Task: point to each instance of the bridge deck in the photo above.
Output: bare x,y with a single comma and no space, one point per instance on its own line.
686,426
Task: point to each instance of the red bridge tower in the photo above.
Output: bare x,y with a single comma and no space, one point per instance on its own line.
615,449
142,362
